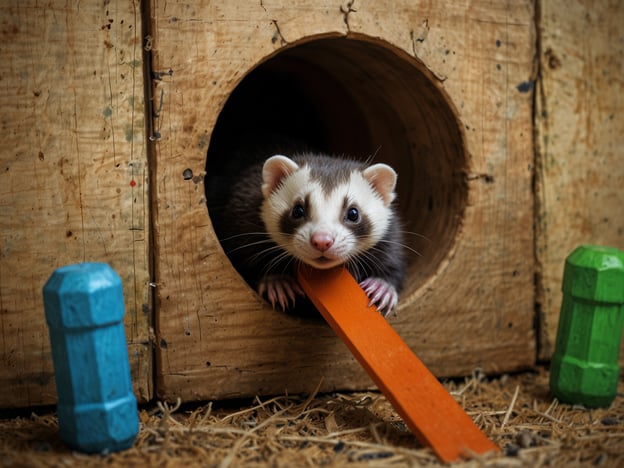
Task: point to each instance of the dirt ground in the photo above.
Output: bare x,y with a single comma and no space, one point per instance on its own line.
340,429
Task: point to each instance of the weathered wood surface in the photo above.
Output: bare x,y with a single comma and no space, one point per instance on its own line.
580,141
215,337
73,175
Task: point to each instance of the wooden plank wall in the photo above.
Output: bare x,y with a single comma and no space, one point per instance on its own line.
215,337
580,141
73,175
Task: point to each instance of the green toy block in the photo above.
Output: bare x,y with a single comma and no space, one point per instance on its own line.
584,367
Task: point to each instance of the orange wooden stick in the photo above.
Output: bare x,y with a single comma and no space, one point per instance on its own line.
430,412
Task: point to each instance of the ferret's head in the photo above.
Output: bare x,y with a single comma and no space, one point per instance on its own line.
325,211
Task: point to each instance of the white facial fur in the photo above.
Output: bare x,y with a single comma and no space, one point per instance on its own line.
286,183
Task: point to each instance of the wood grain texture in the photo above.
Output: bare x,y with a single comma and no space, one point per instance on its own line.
580,137
73,176
215,337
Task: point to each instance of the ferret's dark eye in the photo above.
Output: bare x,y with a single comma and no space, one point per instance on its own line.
298,211
353,215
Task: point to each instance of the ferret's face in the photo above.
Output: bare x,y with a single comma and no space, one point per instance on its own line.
326,217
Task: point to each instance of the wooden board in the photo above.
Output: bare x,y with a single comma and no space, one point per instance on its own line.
580,141
431,413
73,176
473,308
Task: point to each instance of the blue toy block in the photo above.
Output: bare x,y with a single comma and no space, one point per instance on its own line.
84,308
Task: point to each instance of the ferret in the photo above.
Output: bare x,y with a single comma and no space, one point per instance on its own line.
315,209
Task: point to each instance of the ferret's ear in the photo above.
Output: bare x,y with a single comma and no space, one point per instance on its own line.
274,170
383,179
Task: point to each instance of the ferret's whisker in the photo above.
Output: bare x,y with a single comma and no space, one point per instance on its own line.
391,242
400,244
373,263
244,234
266,252
416,234
355,266
251,244
275,262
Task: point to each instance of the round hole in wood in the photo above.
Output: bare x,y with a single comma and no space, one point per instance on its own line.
364,97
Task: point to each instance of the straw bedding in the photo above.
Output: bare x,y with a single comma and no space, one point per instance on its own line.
355,429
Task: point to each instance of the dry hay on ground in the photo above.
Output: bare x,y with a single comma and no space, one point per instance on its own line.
355,429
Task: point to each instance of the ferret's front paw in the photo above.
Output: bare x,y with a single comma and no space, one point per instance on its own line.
381,294
280,290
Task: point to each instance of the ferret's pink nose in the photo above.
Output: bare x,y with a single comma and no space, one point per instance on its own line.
322,241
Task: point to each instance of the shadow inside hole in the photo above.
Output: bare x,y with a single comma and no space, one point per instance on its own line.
290,101
365,100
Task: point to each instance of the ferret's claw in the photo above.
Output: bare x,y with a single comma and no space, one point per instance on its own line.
381,294
280,290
